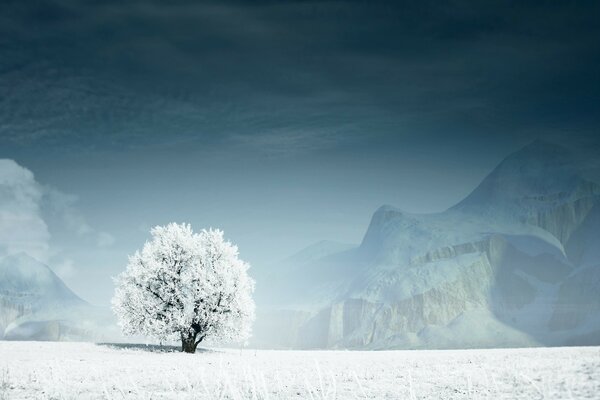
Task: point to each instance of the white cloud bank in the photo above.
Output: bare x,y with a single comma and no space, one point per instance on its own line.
22,228
23,225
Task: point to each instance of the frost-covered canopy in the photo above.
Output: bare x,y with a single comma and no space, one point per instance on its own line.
185,285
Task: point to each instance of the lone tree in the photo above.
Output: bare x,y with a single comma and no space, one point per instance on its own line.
185,286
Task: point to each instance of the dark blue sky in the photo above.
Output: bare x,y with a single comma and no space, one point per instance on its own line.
282,122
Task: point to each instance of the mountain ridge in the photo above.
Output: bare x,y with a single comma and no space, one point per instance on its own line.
506,251
21,274
35,304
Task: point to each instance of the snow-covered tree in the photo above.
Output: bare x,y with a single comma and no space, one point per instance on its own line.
185,286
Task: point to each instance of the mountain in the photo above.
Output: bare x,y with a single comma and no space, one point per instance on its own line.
35,304
29,282
516,263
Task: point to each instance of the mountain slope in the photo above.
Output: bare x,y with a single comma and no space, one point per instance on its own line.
35,304
28,281
511,265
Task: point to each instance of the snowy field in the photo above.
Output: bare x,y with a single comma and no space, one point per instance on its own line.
44,370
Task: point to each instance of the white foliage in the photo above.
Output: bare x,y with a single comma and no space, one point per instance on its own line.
184,283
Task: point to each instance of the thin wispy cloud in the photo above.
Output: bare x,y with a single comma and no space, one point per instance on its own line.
235,69
284,142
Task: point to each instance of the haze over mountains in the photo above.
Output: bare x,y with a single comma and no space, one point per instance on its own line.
516,263
36,305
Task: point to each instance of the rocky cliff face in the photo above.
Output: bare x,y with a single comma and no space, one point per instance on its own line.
516,263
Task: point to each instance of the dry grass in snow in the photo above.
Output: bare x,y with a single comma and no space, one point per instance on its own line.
44,370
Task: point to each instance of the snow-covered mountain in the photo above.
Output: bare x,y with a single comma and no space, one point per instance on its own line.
516,263
36,304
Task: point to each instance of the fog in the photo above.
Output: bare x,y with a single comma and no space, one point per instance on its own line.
289,125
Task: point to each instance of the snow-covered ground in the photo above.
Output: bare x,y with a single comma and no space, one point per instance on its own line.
30,370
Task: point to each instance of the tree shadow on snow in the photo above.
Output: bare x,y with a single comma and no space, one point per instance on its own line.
153,348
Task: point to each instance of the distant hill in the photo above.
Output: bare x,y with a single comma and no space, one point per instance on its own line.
35,304
516,263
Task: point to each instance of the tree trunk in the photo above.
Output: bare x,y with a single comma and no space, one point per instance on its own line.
188,343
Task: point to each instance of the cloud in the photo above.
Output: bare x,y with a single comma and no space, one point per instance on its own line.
62,207
105,239
186,72
22,228
30,212
284,142
65,269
